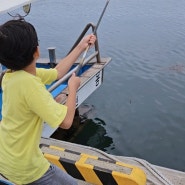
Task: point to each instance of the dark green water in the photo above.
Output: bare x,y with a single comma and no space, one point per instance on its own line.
139,110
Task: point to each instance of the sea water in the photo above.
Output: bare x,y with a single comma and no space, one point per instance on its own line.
139,111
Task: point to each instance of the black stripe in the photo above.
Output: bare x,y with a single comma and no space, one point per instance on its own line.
105,176
70,168
43,145
107,160
71,151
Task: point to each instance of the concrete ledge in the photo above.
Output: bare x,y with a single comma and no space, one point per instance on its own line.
93,169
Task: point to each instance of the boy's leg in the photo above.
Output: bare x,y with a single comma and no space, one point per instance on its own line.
55,176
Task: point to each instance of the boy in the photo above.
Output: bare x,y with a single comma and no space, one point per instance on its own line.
27,103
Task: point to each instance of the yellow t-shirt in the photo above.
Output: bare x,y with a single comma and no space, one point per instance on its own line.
26,104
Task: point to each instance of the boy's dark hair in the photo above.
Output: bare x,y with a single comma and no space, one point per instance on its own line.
18,42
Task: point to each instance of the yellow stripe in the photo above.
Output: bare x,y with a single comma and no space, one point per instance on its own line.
86,170
55,160
57,148
137,176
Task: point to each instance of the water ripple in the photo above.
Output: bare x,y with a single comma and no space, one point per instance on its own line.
142,98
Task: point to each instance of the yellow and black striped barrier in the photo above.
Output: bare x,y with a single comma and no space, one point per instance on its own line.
93,169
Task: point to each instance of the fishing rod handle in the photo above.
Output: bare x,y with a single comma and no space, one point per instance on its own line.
82,61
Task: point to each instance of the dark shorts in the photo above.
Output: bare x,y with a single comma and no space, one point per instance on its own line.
55,176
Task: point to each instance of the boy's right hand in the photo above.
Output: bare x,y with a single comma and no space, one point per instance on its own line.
73,83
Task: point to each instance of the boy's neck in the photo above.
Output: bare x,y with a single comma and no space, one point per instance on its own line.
31,68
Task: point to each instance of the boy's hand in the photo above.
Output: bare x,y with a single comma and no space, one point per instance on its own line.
73,83
86,41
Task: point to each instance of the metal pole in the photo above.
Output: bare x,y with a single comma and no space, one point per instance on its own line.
85,53
56,84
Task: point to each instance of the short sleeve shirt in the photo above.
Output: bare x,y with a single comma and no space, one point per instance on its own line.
26,104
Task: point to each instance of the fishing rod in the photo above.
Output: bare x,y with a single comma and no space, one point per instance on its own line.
77,68
94,32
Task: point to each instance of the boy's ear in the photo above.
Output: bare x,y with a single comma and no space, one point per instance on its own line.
36,55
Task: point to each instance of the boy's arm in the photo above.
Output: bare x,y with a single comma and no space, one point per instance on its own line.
71,106
73,84
65,64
